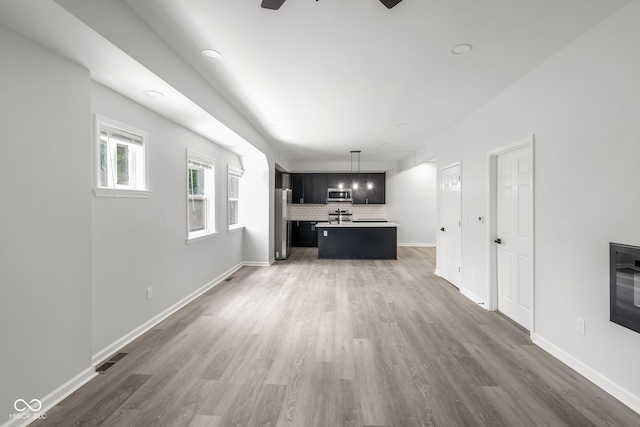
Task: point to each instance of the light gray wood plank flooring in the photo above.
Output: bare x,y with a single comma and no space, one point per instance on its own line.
311,342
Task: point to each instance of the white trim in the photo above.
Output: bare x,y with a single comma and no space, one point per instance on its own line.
473,297
143,190
103,354
56,396
437,272
200,158
492,284
613,388
201,237
418,245
110,192
440,225
233,170
258,263
209,164
235,228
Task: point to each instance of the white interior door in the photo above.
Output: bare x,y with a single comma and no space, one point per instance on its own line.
514,227
450,196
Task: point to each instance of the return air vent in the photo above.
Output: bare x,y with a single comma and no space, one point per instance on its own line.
103,368
117,357
106,365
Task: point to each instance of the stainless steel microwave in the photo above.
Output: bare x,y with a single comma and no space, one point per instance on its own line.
339,195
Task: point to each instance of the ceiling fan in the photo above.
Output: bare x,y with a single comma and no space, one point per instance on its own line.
275,4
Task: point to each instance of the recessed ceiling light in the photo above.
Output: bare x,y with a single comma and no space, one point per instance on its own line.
461,48
211,54
153,93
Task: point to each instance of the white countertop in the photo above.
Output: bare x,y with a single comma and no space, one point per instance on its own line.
308,218
358,225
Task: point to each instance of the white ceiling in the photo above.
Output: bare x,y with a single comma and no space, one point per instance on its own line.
320,78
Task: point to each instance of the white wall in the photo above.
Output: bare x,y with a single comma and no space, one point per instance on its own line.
583,106
256,195
45,221
411,202
341,165
140,243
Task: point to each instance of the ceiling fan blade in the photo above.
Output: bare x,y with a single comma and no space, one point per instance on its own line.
273,4
390,3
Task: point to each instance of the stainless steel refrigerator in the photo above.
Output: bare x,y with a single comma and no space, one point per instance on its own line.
282,229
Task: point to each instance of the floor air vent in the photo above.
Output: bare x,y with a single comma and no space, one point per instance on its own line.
228,279
103,368
117,357
106,365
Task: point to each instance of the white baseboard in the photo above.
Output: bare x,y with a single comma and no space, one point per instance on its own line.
53,398
103,354
257,263
438,273
614,389
418,245
473,297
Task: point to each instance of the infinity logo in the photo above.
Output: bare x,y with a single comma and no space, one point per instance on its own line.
21,403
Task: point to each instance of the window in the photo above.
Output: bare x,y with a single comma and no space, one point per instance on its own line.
121,160
234,175
200,196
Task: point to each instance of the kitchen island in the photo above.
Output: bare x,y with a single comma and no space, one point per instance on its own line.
357,240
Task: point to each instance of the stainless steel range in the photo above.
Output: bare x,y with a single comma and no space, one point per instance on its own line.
340,216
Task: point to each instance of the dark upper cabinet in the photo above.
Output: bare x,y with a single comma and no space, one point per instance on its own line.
297,188
309,188
283,180
335,179
370,196
319,188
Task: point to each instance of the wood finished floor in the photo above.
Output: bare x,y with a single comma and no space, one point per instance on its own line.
312,342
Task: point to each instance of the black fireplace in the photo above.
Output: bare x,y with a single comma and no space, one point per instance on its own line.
624,300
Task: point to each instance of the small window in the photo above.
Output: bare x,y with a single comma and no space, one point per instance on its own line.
121,160
200,196
234,177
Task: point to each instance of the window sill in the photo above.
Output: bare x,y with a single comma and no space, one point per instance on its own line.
201,237
131,194
235,229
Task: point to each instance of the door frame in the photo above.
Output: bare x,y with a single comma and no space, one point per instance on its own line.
492,224
439,255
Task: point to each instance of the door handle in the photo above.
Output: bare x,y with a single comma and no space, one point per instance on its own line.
498,241
442,229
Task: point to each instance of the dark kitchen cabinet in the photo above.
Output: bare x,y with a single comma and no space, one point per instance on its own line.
283,180
297,188
309,188
370,196
335,179
304,234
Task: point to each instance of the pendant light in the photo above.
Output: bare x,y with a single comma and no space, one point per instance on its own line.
355,183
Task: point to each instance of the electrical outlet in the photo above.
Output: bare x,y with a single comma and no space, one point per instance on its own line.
580,325
149,293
